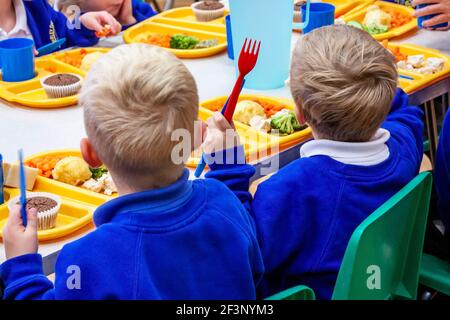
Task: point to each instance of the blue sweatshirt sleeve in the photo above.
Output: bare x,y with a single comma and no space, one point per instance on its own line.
405,124
229,167
142,11
24,279
48,25
442,174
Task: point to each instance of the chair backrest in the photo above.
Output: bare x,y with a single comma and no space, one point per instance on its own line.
383,256
295,293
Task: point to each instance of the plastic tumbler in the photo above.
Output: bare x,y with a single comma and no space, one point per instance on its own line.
17,59
321,14
271,22
420,20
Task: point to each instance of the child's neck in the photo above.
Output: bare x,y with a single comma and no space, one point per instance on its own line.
123,188
7,15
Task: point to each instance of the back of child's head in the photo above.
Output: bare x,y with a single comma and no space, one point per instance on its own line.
344,82
134,97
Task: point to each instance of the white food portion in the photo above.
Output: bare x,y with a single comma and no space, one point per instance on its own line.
104,184
417,63
435,63
11,176
260,123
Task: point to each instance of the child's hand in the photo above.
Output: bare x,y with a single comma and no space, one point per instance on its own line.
125,15
220,135
19,240
97,20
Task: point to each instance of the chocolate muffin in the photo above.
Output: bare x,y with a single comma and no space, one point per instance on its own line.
41,204
62,79
61,85
46,204
208,10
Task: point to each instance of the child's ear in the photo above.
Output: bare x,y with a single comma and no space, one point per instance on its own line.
89,154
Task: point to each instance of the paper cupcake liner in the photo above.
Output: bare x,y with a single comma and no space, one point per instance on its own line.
207,15
46,219
62,91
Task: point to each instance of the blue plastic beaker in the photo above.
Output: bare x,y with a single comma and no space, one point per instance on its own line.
321,14
421,20
17,59
271,22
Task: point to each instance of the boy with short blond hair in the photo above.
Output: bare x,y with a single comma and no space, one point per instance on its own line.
344,85
164,237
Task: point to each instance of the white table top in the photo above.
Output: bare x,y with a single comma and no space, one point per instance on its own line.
37,130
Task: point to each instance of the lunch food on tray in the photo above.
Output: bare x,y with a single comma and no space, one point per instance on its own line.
416,63
208,10
377,20
61,85
179,41
264,117
74,171
81,59
46,204
89,60
11,176
420,64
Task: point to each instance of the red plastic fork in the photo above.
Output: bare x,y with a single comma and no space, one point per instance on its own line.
247,61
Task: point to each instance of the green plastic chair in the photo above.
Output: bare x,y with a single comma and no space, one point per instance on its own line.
295,293
388,243
435,274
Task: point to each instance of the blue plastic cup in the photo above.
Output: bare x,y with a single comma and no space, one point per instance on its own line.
420,20
321,14
271,22
229,37
17,59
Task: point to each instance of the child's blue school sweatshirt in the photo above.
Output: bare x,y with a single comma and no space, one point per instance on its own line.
442,174
47,25
306,213
191,240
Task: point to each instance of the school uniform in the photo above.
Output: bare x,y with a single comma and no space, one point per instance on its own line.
190,240
306,213
142,11
47,25
21,29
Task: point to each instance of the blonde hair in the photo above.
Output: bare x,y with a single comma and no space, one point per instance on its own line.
134,97
344,81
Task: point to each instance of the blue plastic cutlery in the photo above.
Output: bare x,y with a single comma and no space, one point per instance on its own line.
23,194
49,48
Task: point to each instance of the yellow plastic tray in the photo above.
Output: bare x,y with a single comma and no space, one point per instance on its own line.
261,144
31,94
345,6
181,21
186,14
359,15
74,192
71,217
420,80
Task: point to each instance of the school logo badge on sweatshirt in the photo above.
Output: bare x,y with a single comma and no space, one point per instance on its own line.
52,32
